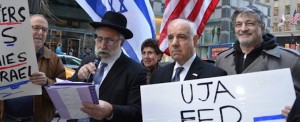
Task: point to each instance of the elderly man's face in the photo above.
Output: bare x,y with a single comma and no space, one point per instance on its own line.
108,43
180,41
39,31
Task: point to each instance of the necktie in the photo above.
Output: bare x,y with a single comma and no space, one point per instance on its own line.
99,73
177,74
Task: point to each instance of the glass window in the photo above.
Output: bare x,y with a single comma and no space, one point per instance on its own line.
72,61
62,58
287,10
267,1
275,11
287,26
275,27
298,7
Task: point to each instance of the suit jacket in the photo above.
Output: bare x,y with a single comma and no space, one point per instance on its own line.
294,115
121,88
201,68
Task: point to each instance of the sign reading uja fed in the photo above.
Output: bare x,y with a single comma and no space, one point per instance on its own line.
17,55
251,97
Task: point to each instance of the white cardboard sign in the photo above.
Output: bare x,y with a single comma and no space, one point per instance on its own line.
251,97
17,55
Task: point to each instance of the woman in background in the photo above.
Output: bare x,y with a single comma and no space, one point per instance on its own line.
151,55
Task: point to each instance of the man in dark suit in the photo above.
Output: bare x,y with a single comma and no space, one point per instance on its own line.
182,40
119,91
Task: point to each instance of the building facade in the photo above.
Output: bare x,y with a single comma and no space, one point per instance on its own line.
70,25
218,34
284,10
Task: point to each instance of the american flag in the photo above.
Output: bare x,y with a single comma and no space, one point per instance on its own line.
294,18
197,11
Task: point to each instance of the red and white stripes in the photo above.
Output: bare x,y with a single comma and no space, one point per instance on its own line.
294,18
197,11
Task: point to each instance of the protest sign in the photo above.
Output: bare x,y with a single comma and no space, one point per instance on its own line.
17,56
251,97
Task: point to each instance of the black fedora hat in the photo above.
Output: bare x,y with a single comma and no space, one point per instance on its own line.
115,21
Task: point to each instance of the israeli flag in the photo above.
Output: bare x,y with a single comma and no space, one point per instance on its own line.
140,20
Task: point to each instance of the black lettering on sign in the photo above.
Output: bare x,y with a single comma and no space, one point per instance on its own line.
3,76
12,39
10,59
199,116
224,91
207,90
15,74
12,14
183,118
191,93
21,14
228,107
3,12
22,57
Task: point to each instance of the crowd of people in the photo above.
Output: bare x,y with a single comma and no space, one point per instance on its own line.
118,84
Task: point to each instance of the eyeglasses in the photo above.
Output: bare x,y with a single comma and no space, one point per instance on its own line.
38,28
107,41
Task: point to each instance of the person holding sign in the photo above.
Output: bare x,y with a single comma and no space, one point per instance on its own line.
182,39
37,108
294,115
257,50
118,76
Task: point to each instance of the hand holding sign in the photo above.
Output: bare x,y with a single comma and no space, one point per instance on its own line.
39,78
17,56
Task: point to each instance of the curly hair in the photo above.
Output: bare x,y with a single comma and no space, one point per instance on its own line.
151,43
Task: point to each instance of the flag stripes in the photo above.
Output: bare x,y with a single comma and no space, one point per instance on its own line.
294,18
197,11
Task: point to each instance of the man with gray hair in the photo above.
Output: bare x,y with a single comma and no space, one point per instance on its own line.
182,39
117,77
255,50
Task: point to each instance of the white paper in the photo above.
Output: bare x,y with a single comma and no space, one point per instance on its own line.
260,95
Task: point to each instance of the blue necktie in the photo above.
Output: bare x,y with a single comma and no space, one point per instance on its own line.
99,73
177,74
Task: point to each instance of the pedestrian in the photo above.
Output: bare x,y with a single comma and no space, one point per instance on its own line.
58,49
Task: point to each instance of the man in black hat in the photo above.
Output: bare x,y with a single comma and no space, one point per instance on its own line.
120,79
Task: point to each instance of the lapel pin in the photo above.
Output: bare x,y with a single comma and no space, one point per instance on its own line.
195,74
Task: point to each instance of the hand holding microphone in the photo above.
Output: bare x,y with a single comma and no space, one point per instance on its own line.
96,63
86,70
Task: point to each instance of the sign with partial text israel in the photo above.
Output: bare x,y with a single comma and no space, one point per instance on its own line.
17,55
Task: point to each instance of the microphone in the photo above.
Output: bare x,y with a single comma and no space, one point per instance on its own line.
96,62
